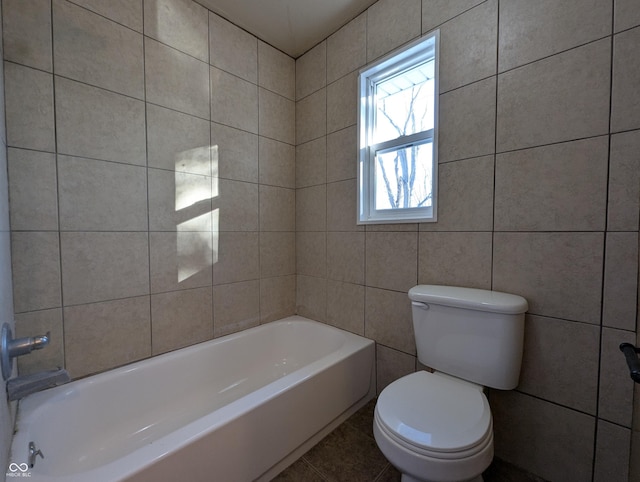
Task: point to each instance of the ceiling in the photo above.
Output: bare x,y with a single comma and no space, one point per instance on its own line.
293,26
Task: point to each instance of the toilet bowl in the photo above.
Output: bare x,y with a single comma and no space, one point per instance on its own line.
434,428
437,427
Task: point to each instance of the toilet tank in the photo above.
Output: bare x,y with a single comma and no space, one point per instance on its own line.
473,334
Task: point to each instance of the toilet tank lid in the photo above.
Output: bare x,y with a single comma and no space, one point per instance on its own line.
469,298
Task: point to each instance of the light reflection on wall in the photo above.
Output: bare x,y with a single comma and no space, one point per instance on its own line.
197,221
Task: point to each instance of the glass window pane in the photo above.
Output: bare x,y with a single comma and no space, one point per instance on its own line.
404,103
403,177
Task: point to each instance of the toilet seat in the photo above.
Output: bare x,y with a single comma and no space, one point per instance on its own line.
435,415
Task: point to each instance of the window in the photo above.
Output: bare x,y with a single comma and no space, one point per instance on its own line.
397,136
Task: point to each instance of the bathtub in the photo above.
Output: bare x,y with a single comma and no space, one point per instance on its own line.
238,408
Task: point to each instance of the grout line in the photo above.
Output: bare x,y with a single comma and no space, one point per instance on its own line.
495,149
604,255
57,180
146,168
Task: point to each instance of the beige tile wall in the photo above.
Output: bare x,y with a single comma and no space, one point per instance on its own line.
7,410
539,195
151,176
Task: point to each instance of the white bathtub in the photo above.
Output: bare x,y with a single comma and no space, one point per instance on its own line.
237,408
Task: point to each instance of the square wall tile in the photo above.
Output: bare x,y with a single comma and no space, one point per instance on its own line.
347,48
551,441
276,117
624,185
33,190
437,12
121,327
29,108
277,209
625,98
468,45
277,163
311,254
179,201
342,206
101,196
345,306
529,33
180,260
28,324
26,29
176,80
613,451
36,271
550,373
177,141
626,14
311,208
556,99
559,274
182,25
390,260
234,102
95,123
345,256
277,254
94,50
126,12
391,24
236,307
235,153
616,388
236,207
467,121
311,297
181,318
236,257
621,281
311,163
342,148
311,71
457,259
561,187
276,71
465,196
311,117
277,298
388,319
104,266
390,365
342,107
232,49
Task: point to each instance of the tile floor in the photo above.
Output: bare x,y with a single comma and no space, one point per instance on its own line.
350,454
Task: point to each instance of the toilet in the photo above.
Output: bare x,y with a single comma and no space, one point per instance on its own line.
437,427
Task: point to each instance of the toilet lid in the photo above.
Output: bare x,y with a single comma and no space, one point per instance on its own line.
435,412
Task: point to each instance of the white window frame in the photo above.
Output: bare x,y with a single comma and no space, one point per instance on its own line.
412,54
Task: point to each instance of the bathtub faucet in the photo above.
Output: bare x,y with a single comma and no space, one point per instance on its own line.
20,387
12,347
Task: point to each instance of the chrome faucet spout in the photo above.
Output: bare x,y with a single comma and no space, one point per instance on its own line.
20,387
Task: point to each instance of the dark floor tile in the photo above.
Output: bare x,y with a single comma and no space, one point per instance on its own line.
297,472
390,474
347,455
500,471
363,418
